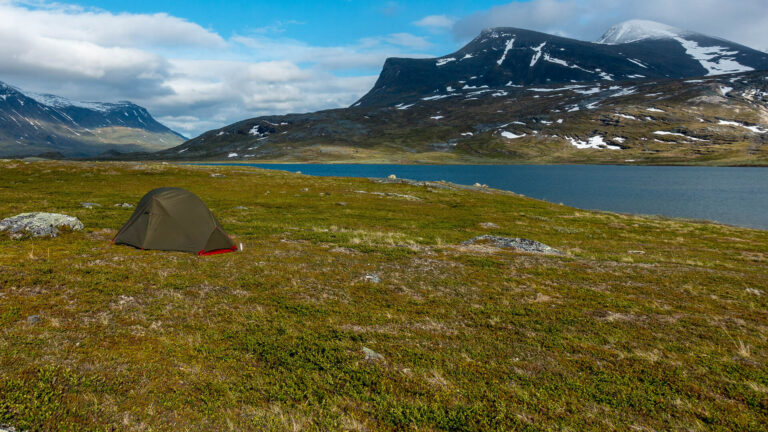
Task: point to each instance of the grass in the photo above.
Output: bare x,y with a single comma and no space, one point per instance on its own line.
644,323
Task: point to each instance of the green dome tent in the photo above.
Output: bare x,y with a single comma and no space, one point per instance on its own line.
174,219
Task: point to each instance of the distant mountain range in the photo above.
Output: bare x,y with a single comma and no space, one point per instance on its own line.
645,93
32,124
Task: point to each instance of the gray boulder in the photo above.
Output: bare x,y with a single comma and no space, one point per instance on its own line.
521,244
39,224
372,355
372,277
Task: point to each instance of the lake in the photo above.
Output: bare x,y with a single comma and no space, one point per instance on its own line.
736,196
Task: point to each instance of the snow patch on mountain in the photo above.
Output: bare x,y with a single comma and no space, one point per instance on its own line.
54,101
506,50
510,135
714,59
594,142
637,30
537,54
755,129
444,61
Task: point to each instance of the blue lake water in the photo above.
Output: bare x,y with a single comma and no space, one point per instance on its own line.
736,196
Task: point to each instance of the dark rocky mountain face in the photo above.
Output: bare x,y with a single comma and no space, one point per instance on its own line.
31,124
512,57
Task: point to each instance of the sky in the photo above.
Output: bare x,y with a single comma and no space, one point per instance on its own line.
200,65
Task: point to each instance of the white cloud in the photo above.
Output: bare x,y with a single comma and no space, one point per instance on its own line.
189,77
106,29
403,40
742,21
436,22
216,93
368,53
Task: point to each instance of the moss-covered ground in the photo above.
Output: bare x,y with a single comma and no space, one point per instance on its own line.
643,324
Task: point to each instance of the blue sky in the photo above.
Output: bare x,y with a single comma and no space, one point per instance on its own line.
202,65
331,22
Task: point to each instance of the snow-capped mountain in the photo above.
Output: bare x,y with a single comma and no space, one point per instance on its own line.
642,95
32,123
634,50
637,30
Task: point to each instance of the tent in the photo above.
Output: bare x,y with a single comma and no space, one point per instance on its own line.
174,219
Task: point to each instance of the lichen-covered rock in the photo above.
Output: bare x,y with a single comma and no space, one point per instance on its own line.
39,224
521,244
372,355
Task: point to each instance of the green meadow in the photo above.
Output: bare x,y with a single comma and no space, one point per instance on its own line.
643,323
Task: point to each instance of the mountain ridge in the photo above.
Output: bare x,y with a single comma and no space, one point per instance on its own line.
34,123
513,57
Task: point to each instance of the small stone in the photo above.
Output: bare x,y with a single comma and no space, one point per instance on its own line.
305,189
241,208
372,355
217,175
392,177
477,185
341,203
754,291
33,319
488,225
90,205
372,277
124,205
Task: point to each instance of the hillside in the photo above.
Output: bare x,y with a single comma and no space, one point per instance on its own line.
646,94
642,323
711,120
32,123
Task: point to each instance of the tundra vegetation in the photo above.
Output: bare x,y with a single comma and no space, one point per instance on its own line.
363,311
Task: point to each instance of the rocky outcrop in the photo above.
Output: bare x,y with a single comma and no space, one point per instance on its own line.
39,224
521,244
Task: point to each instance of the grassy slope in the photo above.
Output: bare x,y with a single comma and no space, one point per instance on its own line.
474,338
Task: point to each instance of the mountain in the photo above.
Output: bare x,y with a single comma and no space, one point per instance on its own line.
501,57
573,102
31,124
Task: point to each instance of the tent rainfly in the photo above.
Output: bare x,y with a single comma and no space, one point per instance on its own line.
174,219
